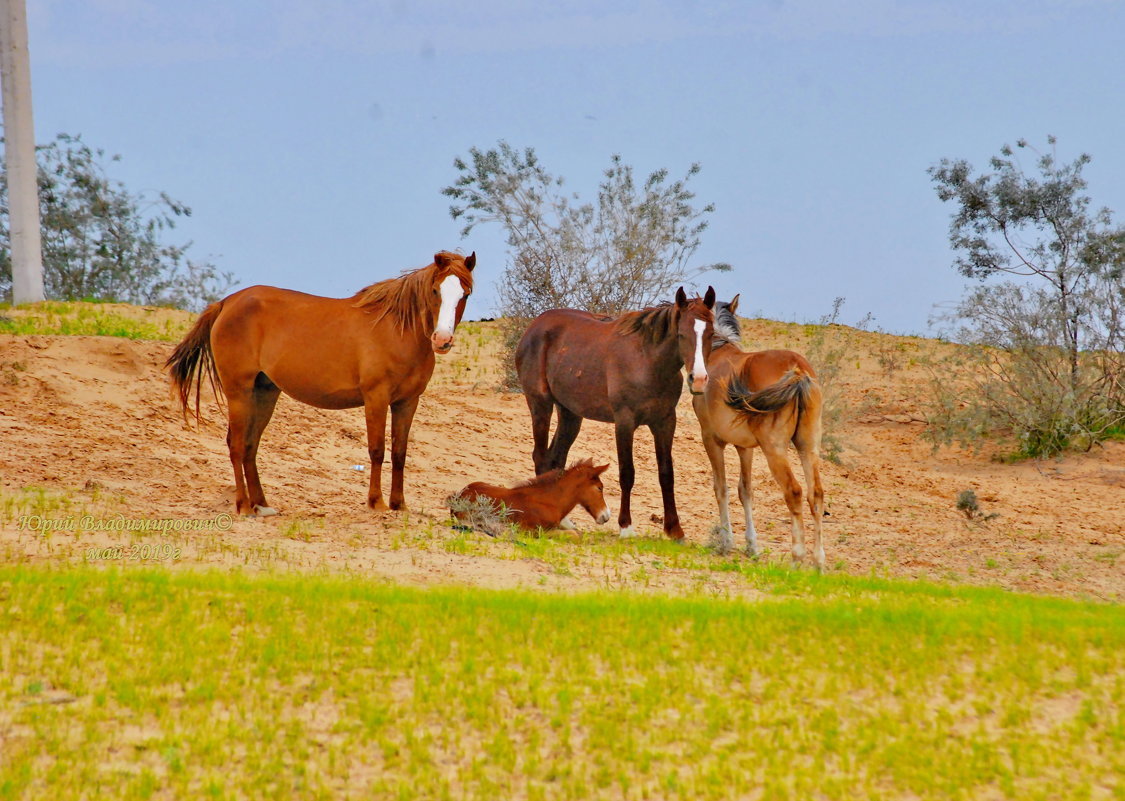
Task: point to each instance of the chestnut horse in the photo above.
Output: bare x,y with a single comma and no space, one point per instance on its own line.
623,370
375,350
544,501
763,399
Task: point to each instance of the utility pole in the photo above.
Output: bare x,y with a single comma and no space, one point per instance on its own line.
19,154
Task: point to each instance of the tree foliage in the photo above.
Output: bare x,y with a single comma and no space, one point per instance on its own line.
1050,361
102,242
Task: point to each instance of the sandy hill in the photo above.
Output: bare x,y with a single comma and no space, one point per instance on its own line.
91,419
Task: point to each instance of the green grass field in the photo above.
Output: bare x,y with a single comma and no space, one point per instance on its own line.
95,319
153,684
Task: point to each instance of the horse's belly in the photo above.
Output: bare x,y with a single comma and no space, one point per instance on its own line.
323,397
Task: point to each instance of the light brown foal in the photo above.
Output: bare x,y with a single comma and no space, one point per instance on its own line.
375,350
765,399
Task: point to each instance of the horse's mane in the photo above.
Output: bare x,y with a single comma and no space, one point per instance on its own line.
727,328
552,477
407,298
655,324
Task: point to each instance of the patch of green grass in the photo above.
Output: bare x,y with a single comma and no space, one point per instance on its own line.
146,682
93,319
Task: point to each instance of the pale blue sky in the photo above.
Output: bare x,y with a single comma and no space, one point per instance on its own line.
312,139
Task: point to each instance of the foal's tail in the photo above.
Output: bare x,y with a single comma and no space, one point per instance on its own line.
794,385
192,360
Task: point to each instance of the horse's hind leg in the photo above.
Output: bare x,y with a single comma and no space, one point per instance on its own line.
746,495
540,408
810,462
791,489
264,399
240,411
565,434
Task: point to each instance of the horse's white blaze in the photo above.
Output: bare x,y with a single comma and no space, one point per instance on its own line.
699,369
451,294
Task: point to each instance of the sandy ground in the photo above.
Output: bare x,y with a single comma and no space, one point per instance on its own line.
91,419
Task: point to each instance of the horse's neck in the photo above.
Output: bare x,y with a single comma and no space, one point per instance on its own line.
666,354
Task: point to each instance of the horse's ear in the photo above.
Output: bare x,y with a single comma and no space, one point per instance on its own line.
471,261
441,260
681,298
733,305
599,470
709,298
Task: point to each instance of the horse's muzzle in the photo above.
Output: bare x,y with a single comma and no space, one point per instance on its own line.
603,517
696,384
441,343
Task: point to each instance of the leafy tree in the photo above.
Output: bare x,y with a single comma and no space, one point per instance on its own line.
1051,364
102,242
627,251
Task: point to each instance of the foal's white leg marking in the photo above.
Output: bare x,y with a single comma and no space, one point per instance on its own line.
451,294
566,524
746,496
627,533
264,511
798,540
722,496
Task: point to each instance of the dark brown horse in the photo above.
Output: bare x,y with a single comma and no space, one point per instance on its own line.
762,399
374,349
547,499
623,370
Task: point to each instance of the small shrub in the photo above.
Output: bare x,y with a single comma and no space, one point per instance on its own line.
480,514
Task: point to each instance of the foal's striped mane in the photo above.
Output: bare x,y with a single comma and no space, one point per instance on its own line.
728,331
552,477
408,298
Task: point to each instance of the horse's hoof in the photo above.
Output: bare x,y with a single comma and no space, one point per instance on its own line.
675,534
627,533
378,506
264,511
566,524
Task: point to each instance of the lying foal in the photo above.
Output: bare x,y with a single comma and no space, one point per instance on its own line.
543,502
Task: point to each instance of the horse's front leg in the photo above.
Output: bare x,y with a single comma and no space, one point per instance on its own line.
715,454
663,433
375,412
402,415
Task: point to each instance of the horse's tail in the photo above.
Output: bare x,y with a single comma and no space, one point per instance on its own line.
192,360
794,385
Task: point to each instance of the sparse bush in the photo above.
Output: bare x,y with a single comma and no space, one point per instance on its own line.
1047,366
629,250
968,504
828,351
480,514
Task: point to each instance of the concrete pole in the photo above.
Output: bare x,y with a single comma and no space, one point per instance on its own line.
19,154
